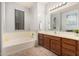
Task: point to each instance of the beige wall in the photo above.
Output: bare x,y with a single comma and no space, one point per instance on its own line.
8,11
0,28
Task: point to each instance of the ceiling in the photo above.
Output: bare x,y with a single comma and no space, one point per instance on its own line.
25,4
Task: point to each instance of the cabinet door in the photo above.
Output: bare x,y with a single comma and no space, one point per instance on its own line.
40,39
46,42
77,48
68,47
52,46
56,46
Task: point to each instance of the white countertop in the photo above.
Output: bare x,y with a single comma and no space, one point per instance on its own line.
69,35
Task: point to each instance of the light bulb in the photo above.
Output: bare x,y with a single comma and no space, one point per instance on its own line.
60,4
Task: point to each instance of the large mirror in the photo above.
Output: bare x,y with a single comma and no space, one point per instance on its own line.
64,21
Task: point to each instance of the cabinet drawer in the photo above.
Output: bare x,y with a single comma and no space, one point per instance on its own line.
46,35
69,41
56,42
66,52
55,38
40,36
69,47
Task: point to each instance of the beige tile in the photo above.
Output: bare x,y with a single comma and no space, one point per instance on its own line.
35,51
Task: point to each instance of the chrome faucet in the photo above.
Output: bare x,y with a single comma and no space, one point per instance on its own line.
55,32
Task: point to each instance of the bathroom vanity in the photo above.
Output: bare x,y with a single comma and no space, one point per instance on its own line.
62,44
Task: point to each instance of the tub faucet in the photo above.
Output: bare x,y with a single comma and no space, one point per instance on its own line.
32,35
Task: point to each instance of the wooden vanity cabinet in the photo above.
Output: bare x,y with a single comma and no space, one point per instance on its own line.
59,45
68,47
40,39
56,45
77,48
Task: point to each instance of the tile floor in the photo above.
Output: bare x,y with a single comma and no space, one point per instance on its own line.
35,51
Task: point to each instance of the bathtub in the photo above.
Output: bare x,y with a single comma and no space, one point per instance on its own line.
17,41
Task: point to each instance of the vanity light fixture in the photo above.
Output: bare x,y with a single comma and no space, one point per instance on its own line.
58,6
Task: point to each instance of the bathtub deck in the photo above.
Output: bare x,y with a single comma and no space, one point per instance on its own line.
35,51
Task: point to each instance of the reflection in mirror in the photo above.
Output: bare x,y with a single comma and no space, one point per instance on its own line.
69,21
55,21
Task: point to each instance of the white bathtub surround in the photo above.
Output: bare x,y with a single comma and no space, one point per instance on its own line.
70,35
16,48
17,41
